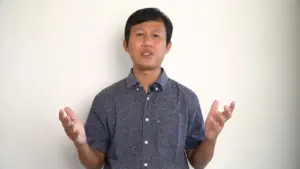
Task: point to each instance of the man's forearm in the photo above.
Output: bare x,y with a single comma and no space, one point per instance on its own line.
203,154
89,157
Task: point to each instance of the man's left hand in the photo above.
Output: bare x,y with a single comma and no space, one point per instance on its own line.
216,120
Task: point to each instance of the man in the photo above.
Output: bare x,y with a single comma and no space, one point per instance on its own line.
146,120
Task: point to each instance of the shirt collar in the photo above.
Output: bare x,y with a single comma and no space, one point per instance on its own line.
132,81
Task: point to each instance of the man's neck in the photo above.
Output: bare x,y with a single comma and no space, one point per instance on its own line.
146,77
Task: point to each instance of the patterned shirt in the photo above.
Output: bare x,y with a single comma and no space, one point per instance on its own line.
150,130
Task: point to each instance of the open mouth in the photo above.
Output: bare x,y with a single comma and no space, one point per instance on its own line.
146,54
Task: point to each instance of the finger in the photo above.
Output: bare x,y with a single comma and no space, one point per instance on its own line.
66,122
214,108
64,118
232,106
70,133
62,115
227,112
70,113
220,119
70,128
73,130
215,125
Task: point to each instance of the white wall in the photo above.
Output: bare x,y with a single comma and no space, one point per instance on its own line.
55,53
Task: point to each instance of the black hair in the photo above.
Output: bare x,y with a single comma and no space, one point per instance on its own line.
148,14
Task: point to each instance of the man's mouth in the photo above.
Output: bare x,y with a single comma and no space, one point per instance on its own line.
146,53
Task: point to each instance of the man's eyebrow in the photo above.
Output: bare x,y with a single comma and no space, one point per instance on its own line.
137,29
159,30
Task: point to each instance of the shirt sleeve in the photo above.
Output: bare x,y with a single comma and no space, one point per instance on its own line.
96,127
196,132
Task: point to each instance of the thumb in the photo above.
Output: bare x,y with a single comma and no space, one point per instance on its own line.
214,108
70,113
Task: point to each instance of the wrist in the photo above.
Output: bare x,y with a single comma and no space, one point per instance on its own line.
79,145
210,141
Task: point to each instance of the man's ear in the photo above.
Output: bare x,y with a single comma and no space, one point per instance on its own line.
169,46
125,45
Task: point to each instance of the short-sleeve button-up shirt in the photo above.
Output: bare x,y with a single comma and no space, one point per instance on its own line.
151,130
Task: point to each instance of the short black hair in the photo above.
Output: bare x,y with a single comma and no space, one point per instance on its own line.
148,14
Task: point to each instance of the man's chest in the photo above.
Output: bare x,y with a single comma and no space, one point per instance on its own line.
154,124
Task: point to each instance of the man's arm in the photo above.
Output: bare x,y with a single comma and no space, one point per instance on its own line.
202,155
89,157
91,140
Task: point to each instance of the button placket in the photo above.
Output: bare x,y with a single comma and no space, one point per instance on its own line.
146,130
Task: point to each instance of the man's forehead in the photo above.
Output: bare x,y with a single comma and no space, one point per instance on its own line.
150,25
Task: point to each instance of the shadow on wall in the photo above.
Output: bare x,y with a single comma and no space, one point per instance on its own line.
122,59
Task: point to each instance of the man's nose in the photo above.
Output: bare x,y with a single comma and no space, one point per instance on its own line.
147,41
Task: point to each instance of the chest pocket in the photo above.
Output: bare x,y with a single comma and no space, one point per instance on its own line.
171,134
171,129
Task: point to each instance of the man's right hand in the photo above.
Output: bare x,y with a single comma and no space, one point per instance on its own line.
88,156
73,126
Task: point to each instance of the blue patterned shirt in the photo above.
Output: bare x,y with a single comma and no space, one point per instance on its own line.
150,130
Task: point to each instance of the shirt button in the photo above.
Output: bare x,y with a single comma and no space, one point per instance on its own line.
148,98
157,121
147,119
156,89
146,142
137,89
145,164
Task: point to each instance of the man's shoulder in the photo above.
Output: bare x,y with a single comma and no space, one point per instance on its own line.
189,95
113,89
183,89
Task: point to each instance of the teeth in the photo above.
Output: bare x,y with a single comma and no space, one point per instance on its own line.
146,53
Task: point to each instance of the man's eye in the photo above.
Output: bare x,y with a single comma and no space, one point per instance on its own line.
139,34
156,35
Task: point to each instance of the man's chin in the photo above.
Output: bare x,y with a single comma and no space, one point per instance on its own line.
147,67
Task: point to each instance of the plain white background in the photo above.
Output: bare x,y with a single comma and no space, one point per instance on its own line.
56,53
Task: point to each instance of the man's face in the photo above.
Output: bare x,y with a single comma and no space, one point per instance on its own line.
147,44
